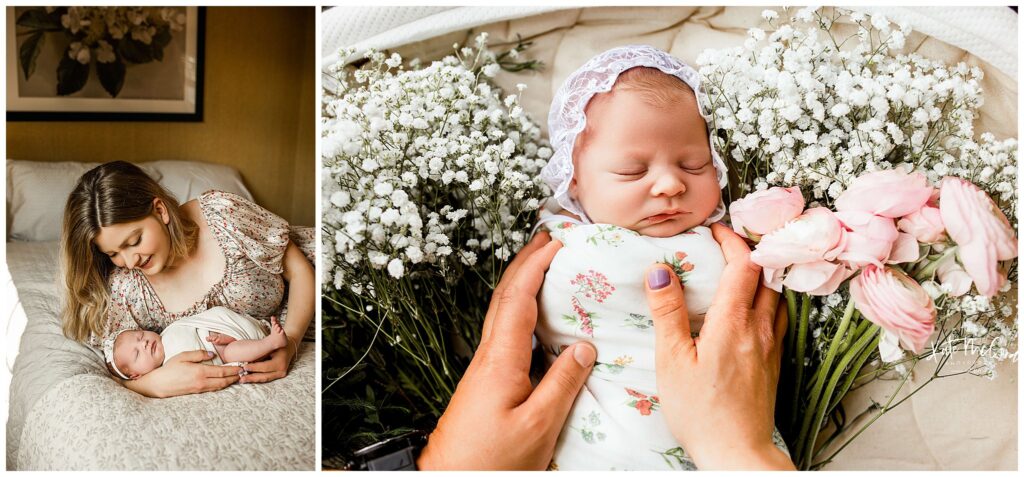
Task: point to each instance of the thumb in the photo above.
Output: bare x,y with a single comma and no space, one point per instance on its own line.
561,383
197,356
668,311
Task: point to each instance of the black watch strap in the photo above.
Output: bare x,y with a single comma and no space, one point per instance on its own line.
396,453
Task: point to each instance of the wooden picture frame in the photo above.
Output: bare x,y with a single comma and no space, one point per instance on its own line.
152,75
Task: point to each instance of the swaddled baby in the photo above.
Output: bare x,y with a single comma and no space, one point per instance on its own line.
635,181
232,337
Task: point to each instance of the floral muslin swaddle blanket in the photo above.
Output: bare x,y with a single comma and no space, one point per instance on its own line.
594,291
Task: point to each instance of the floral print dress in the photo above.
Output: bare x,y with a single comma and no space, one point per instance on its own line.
594,291
253,241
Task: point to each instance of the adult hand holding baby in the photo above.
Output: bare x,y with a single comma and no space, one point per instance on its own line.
184,374
497,420
718,390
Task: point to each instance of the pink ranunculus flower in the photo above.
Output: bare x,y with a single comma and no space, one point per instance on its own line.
925,225
890,299
905,249
816,278
773,278
812,237
953,276
890,193
869,238
982,234
765,211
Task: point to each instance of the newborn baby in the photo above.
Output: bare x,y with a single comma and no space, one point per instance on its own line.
232,337
635,182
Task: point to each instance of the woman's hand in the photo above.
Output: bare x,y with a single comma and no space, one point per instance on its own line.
497,419
184,374
275,367
718,391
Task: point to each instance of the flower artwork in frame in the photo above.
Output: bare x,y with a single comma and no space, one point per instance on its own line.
105,63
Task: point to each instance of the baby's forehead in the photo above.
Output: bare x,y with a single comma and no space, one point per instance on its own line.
125,336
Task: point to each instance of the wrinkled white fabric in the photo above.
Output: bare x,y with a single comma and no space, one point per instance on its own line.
566,119
189,334
594,290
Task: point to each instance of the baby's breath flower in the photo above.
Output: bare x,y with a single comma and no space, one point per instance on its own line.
410,167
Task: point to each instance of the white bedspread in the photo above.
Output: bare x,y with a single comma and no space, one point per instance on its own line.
67,413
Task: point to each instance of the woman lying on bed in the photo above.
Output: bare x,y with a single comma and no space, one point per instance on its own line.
133,258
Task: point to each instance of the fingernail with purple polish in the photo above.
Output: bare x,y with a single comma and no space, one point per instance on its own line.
657,278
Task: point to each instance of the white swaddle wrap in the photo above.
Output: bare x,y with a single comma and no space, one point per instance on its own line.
594,291
189,334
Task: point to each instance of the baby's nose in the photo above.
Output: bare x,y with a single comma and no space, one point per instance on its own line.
668,184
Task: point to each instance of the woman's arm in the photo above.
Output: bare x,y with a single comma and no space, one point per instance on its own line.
184,374
298,272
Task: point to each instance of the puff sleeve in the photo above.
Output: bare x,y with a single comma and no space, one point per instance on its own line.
261,235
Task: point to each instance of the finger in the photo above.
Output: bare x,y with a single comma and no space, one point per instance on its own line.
739,278
766,301
221,371
562,382
214,384
781,323
263,366
516,315
668,311
261,377
196,356
536,243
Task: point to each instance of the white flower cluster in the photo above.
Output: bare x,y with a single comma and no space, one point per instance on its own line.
95,27
804,108
425,168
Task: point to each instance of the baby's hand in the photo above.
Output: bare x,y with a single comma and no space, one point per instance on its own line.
219,339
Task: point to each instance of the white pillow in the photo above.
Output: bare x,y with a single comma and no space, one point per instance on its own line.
37,191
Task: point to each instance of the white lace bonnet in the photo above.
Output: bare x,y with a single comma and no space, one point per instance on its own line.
108,352
567,119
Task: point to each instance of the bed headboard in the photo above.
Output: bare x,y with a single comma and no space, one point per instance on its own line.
37,191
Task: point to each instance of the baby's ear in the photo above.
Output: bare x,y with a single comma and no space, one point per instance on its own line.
572,188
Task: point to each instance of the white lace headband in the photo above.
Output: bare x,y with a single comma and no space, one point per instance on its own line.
567,119
108,352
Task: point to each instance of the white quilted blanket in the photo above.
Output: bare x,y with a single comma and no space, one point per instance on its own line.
66,412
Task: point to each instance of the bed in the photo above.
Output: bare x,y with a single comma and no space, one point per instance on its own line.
956,423
66,413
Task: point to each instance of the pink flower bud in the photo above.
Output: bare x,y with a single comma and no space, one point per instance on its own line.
890,299
925,225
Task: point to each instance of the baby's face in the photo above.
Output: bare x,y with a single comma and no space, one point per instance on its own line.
643,167
138,352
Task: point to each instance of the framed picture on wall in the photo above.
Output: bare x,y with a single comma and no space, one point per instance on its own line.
105,63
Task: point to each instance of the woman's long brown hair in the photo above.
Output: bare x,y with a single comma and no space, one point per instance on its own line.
112,193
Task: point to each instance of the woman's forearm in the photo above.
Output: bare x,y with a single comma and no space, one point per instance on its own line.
298,272
145,385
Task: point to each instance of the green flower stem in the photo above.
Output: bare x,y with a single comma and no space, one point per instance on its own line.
852,336
884,409
858,364
804,445
792,317
837,374
801,345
